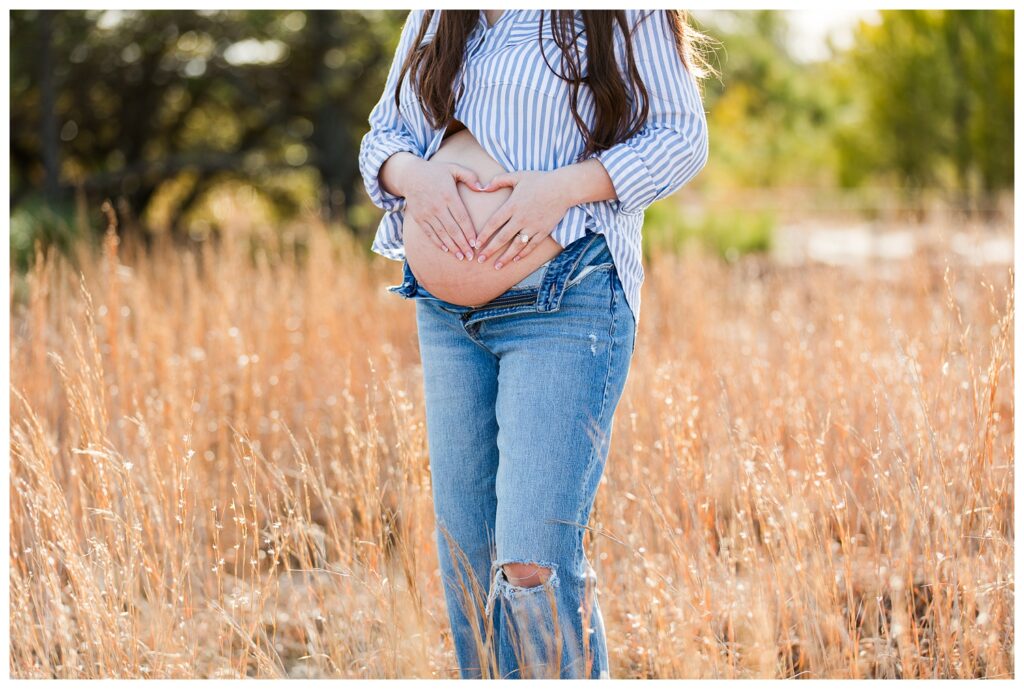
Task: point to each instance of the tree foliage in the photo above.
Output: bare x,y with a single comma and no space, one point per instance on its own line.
934,94
126,103
156,108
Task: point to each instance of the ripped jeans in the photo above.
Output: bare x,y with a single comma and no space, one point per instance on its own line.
520,394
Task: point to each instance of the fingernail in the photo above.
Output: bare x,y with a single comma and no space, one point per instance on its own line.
497,265
459,254
470,255
446,248
479,185
516,258
472,243
481,259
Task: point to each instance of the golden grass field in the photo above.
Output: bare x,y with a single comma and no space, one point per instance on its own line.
219,469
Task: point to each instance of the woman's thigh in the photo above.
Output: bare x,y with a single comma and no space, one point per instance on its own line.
559,381
460,384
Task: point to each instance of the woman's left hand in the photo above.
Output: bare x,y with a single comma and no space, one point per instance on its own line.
535,206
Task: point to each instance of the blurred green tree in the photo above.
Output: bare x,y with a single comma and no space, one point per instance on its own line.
934,94
125,102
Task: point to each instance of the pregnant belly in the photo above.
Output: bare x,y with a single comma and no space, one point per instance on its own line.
470,283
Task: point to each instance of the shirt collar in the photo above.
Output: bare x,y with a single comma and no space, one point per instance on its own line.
482,19
510,22
509,17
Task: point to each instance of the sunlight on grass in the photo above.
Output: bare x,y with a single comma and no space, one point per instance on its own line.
219,467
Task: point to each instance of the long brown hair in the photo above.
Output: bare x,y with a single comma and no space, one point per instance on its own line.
437,63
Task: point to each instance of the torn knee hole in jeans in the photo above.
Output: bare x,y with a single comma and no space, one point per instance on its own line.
501,584
526,574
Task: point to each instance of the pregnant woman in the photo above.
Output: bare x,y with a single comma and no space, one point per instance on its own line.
514,153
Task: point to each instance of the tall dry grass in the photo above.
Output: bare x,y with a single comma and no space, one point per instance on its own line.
219,469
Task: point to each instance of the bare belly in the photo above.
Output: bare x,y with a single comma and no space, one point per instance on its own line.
470,283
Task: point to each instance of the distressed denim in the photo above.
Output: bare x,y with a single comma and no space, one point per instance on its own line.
520,394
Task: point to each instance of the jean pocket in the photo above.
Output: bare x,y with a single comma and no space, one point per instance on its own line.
587,270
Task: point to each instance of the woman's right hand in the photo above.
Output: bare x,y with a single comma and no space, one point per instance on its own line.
432,200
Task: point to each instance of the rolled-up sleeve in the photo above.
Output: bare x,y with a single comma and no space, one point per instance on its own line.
388,131
672,145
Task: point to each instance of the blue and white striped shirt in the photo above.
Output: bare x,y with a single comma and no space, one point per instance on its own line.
519,112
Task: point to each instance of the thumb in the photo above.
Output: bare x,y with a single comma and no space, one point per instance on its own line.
502,180
467,177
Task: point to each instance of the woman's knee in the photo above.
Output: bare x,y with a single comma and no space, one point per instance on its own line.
525,574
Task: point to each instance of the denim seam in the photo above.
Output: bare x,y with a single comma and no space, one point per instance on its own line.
592,465
604,394
487,314
476,340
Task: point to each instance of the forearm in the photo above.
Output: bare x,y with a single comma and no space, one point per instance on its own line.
393,171
584,182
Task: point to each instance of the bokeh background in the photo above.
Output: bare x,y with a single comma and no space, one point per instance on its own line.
891,115
219,463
